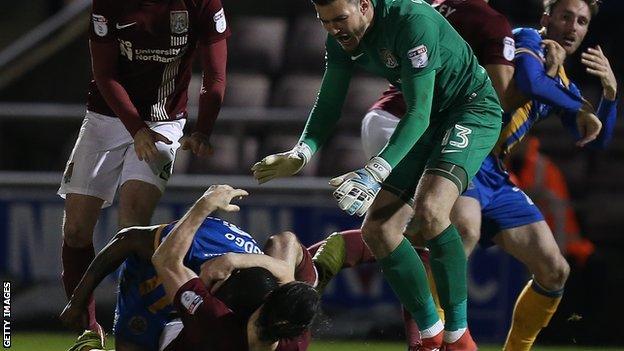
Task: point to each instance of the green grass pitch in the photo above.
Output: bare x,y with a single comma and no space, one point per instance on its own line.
61,341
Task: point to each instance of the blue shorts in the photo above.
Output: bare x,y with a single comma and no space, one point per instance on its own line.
141,312
503,204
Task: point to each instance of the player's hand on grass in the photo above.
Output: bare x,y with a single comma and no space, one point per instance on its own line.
220,196
198,143
588,125
598,65
145,144
214,272
555,55
283,164
74,317
357,190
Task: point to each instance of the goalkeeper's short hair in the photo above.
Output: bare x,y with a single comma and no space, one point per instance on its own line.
327,2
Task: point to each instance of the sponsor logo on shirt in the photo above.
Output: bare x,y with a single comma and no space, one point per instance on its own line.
155,55
388,58
100,25
179,21
122,26
125,49
509,48
191,301
418,56
353,58
219,19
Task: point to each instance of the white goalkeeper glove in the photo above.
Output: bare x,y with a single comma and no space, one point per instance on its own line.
283,164
357,190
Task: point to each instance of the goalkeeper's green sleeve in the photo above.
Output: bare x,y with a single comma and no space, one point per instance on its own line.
328,106
418,95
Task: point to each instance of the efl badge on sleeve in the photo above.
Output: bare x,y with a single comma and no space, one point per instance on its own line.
179,22
100,25
220,23
509,48
388,58
191,301
418,56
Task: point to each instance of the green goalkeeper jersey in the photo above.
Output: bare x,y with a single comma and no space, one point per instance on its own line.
411,45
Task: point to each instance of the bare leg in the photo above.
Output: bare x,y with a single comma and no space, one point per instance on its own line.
435,197
285,246
535,246
137,201
80,216
385,222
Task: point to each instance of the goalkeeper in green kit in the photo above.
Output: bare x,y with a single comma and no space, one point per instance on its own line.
453,120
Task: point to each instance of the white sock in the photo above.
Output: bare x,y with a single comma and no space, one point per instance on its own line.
452,336
432,330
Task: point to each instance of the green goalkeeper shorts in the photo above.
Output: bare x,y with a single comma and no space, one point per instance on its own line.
462,137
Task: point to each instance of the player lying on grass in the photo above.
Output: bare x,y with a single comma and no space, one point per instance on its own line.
237,315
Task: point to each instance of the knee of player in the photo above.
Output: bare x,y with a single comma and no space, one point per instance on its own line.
282,240
428,212
554,273
563,271
284,244
372,231
76,235
467,230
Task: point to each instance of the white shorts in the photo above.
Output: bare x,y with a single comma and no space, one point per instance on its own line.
377,128
104,158
169,333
